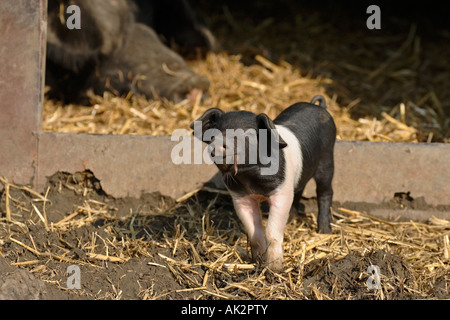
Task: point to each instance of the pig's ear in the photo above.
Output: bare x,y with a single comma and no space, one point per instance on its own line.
208,121
264,122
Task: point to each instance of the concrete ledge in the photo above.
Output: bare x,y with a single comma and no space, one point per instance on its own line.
126,165
129,165
374,171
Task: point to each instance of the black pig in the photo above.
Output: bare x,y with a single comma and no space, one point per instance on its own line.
113,52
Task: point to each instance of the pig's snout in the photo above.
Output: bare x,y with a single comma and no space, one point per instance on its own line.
217,150
224,157
187,85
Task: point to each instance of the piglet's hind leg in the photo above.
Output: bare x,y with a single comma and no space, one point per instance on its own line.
324,190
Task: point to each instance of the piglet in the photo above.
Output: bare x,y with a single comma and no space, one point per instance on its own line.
261,159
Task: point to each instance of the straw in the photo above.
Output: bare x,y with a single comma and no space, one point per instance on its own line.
266,87
208,236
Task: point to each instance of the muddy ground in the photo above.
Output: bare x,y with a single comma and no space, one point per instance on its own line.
154,248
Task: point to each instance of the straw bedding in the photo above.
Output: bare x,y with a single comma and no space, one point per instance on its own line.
263,87
389,85
194,248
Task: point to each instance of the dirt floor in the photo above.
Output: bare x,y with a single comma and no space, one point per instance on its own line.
156,248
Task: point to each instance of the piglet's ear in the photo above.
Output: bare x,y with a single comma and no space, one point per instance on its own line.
207,121
264,122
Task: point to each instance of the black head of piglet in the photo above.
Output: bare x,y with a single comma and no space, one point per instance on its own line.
243,145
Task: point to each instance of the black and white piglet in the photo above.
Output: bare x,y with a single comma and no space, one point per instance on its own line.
299,144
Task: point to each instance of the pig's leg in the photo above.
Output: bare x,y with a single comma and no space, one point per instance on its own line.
323,178
280,205
247,209
295,205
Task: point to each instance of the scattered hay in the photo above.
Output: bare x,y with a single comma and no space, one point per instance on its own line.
263,87
390,85
199,245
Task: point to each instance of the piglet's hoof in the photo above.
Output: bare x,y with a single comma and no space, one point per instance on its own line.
276,265
325,230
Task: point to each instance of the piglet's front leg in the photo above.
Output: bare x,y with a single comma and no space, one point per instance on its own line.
247,209
280,206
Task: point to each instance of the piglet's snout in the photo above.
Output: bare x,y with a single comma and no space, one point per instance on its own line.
217,151
223,147
225,155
